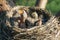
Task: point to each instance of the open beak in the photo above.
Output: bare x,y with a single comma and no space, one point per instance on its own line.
20,12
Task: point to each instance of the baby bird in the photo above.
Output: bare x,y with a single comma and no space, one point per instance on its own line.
31,19
22,18
34,15
23,14
37,19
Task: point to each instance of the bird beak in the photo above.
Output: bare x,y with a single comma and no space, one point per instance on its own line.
20,12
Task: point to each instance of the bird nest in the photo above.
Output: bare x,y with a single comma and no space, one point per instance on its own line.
29,18
37,24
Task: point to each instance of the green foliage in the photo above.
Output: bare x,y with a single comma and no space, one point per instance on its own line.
53,5
25,2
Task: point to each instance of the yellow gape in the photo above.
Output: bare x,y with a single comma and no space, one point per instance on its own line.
20,11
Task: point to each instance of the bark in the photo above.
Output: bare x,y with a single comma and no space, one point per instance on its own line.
41,4
6,4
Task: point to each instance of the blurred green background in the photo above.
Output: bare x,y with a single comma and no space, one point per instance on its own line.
52,5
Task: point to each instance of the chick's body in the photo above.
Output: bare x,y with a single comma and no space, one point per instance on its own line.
32,20
22,18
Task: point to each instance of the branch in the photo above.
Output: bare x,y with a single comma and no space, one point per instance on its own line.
6,4
41,4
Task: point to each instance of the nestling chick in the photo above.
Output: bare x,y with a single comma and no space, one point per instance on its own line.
31,19
22,18
34,15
